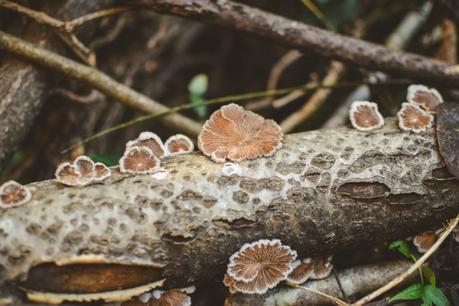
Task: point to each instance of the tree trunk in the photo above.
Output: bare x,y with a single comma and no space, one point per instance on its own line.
324,191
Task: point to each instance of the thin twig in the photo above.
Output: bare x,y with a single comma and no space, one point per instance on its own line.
335,300
316,100
276,71
97,79
412,269
72,24
319,15
39,17
226,99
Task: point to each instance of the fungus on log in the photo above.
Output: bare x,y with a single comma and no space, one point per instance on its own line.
324,191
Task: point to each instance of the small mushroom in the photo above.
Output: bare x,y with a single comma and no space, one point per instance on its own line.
423,242
236,134
302,271
365,116
259,266
139,160
85,167
178,144
67,174
412,118
426,98
172,297
101,172
13,194
322,268
148,140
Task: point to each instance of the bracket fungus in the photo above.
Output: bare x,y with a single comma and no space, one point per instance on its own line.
426,98
236,134
85,167
139,160
81,172
178,144
148,140
101,172
172,297
322,268
301,272
423,242
412,118
365,116
83,282
13,194
259,266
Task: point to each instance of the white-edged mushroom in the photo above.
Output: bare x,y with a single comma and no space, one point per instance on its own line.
365,116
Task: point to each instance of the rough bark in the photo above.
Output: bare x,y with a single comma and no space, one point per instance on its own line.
23,86
324,191
309,39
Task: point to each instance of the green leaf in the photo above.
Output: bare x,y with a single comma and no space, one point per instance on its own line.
109,160
435,295
198,84
403,247
197,88
429,275
412,292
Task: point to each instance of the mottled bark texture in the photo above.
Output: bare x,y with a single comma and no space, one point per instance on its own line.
346,285
309,39
23,86
324,191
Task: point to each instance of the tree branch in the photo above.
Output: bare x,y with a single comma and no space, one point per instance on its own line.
309,39
323,192
96,79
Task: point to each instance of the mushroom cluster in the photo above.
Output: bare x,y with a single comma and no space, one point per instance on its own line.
259,266
172,297
143,154
13,194
309,268
414,116
83,171
236,134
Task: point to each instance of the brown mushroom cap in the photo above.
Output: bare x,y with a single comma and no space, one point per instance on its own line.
423,242
302,271
365,116
178,144
426,98
322,268
85,167
13,194
149,140
101,172
236,134
67,174
172,297
139,160
260,265
412,118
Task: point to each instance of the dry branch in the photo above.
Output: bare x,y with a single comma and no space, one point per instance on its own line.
293,34
96,79
324,191
23,87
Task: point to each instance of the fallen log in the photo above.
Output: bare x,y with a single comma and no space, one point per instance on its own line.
323,192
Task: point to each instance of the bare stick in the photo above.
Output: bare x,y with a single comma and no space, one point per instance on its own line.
413,268
72,24
308,39
98,80
335,300
315,101
39,17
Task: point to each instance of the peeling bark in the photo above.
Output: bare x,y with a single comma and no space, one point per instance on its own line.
324,191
